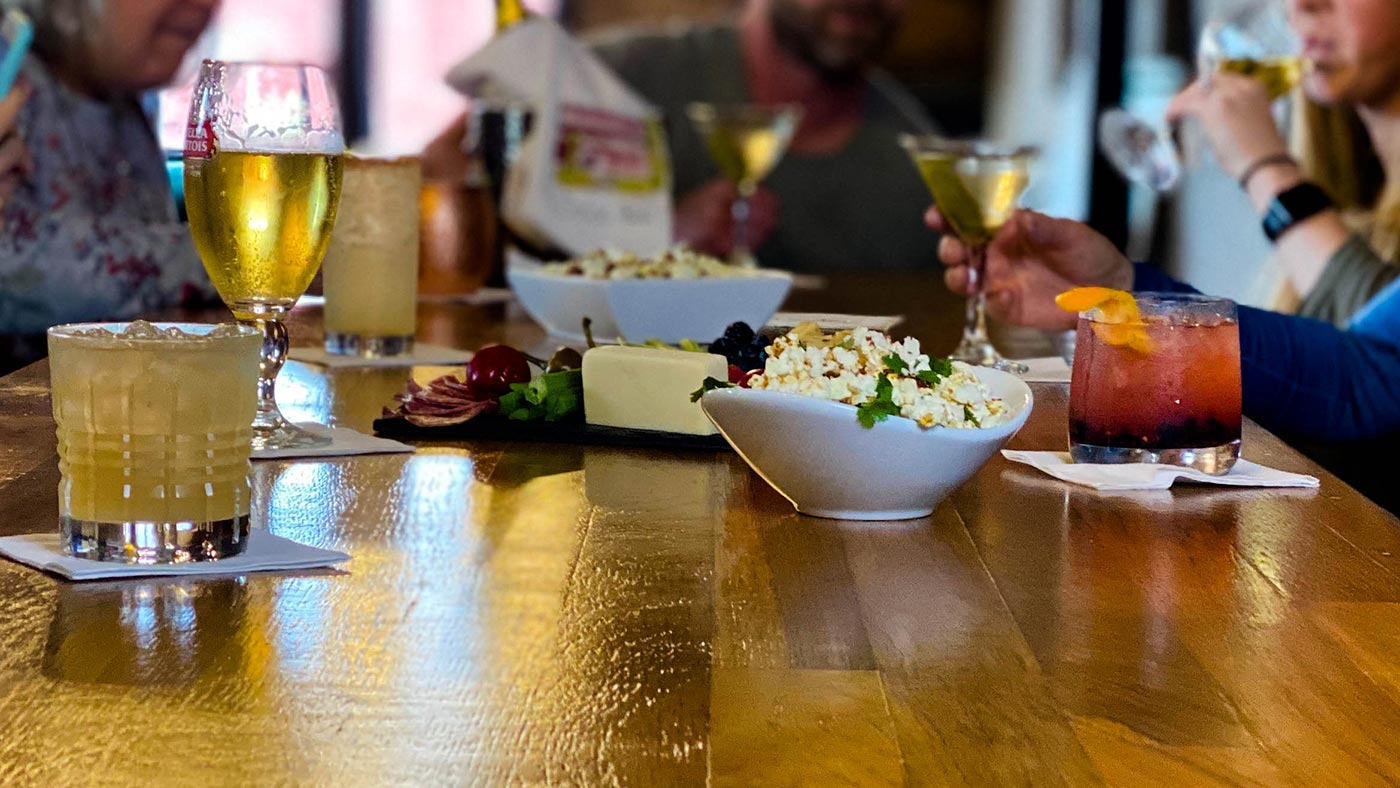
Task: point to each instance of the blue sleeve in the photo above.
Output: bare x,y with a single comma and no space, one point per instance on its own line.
1311,379
1150,280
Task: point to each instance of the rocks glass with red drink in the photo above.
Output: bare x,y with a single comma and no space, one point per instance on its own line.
1161,388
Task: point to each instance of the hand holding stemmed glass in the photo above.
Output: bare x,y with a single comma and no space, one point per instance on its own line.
263,163
976,185
1254,41
746,142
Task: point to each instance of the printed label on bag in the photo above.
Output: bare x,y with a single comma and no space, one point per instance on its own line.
601,150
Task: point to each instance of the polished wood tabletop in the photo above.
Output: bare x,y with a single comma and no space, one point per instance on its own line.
550,614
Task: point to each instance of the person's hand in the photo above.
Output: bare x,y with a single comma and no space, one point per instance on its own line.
15,161
705,224
1033,259
1234,111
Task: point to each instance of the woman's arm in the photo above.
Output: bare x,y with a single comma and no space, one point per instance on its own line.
1314,380
14,156
1309,378
1353,275
1234,112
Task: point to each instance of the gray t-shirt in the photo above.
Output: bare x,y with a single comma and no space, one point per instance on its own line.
859,208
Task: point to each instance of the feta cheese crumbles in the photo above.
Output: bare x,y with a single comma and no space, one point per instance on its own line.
676,263
880,376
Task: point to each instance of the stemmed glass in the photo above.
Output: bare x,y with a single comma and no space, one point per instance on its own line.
975,184
746,141
1256,41
263,162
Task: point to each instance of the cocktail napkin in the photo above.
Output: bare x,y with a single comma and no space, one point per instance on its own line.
1051,369
266,552
834,322
421,356
344,442
1143,476
483,297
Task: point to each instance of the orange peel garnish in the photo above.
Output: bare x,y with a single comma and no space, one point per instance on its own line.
1116,319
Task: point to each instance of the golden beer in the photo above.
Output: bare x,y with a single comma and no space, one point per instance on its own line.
975,194
1279,75
261,222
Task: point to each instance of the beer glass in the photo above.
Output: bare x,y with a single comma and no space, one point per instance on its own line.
263,160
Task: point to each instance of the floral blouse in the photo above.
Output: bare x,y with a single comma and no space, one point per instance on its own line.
93,233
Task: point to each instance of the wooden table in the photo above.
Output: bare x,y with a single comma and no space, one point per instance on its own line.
556,614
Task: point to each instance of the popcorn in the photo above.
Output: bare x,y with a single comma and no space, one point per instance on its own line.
848,367
676,263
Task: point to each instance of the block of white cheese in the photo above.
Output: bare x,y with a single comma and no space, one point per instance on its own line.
643,388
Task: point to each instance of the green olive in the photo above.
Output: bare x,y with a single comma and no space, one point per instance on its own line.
564,358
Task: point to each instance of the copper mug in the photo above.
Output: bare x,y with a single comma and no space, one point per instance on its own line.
457,238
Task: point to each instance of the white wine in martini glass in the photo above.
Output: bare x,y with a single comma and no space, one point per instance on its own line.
976,186
746,141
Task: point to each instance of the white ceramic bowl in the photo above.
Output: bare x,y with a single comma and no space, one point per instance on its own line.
640,309
819,457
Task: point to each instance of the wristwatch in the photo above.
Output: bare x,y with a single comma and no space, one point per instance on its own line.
1292,206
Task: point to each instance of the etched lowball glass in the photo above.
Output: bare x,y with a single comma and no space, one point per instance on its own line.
1163,388
154,438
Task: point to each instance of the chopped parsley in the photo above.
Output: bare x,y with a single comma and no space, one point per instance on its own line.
968,414
710,384
895,364
880,408
939,368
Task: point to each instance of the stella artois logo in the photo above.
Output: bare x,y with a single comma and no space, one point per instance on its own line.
199,140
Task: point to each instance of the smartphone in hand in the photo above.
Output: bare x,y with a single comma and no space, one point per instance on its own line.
16,34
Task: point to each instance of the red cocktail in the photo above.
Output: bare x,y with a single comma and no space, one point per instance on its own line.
1162,387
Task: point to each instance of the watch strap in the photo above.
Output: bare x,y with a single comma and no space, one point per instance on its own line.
1293,206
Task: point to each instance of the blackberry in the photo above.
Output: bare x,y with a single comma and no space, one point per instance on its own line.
737,334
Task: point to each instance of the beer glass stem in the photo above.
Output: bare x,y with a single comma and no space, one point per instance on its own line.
270,429
274,355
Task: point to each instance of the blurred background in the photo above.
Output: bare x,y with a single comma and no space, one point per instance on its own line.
1029,71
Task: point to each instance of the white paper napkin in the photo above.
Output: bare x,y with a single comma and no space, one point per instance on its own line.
421,356
482,297
1143,476
266,552
344,442
1050,369
836,322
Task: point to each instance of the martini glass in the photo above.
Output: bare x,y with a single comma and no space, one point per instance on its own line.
1255,41
746,141
263,161
975,185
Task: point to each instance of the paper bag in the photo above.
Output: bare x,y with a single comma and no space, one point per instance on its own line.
594,172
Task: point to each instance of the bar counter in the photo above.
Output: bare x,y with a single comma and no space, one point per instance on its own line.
551,614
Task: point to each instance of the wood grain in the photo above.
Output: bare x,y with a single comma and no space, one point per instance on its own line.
547,614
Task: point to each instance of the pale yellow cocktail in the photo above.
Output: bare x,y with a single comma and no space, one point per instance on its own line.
154,438
370,274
